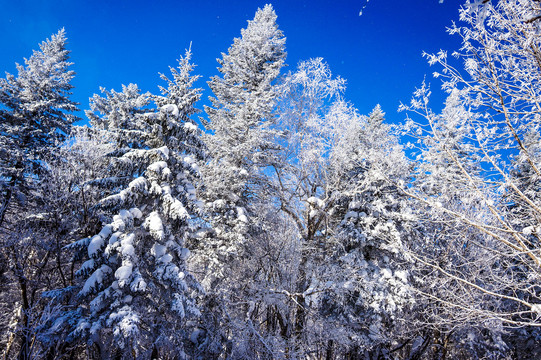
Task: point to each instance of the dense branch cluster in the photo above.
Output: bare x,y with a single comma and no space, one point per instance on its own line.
281,223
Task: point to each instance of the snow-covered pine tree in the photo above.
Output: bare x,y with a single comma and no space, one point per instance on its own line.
240,146
240,138
35,116
137,293
240,119
365,271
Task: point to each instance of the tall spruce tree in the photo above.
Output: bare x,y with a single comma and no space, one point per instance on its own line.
240,118
364,268
240,146
35,116
137,292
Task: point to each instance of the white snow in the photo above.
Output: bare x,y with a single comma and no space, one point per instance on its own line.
351,214
151,115
243,219
528,230
106,231
114,238
348,285
190,127
536,309
165,151
155,188
178,306
166,259
126,245
241,216
95,279
82,325
316,202
138,284
87,265
123,273
128,326
95,245
166,189
171,109
184,253
354,205
175,208
157,167
136,213
138,184
220,203
118,223
95,327
154,224
158,250
402,275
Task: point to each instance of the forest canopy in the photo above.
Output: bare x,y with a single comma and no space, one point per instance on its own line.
277,221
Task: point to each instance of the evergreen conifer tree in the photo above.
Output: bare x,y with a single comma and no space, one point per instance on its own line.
137,292
240,142
35,116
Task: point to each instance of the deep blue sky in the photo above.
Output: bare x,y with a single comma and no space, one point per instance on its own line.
118,42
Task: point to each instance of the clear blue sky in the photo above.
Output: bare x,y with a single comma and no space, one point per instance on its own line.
118,42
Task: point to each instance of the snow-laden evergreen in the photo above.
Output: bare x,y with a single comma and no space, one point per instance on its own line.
366,270
137,292
240,146
35,116
240,119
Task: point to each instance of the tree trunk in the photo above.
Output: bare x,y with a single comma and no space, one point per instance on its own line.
24,351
